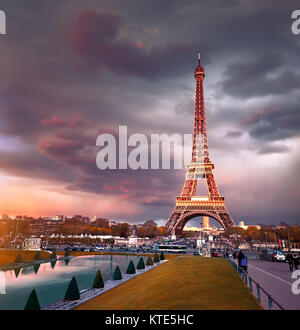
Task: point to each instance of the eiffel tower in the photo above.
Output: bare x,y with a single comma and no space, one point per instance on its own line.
188,205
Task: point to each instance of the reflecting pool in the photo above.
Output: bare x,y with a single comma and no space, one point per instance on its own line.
51,279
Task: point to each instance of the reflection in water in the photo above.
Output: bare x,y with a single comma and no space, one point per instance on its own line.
36,268
17,271
27,270
51,279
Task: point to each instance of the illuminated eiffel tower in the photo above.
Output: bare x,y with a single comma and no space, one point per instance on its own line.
188,205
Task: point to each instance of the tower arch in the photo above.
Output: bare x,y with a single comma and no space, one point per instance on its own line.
186,217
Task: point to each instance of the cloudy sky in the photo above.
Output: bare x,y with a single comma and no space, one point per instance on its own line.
71,70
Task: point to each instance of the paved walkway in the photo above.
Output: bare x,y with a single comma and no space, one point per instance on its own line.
277,280
88,294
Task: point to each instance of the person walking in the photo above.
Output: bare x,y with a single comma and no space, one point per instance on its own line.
243,262
296,261
240,257
290,260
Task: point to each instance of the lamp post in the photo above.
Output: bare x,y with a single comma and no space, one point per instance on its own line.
266,239
288,232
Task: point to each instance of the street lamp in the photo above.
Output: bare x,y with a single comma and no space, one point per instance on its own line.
275,238
288,231
266,239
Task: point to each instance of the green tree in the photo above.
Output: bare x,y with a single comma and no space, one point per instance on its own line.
117,274
130,268
72,292
148,229
149,261
141,264
121,229
32,302
156,258
98,281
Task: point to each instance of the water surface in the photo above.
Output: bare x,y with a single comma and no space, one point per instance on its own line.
51,279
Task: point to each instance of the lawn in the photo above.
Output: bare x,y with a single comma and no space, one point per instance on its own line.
183,283
9,256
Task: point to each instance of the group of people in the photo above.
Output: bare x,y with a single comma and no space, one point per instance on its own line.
293,260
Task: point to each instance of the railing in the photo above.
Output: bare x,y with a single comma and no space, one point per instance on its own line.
250,282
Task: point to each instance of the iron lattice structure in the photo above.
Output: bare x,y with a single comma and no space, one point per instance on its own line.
188,205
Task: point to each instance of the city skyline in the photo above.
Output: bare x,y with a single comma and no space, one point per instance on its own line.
95,65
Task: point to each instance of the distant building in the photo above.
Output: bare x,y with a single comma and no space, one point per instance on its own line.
208,230
132,240
245,227
32,243
112,223
206,222
60,217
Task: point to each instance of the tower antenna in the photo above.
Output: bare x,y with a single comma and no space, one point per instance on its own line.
199,58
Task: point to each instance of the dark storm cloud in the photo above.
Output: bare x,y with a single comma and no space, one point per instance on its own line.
94,37
234,134
30,164
250,78
276,122
272,149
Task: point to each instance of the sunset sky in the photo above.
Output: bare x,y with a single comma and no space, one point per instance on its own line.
71,70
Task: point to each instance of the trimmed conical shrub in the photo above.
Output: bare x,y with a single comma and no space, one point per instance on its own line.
67,261
130,268
117,274
36,268
18,258
72,292
162,256
149,262
32,302
156,258
37,256
141,264
17,271
53,263
98,281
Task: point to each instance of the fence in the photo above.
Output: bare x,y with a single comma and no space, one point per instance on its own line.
271,302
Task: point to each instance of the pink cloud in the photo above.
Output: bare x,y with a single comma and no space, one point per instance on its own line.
53,121
139,44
